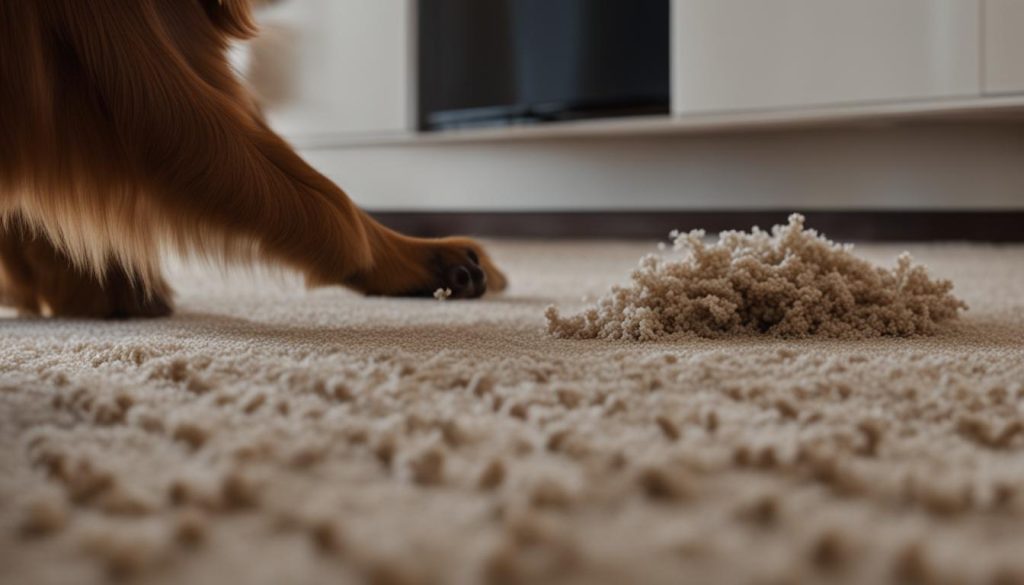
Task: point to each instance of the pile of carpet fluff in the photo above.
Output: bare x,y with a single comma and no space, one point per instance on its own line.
791,282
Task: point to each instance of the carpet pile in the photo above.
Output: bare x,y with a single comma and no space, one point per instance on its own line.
268,434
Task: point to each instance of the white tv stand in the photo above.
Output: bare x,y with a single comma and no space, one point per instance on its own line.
856,103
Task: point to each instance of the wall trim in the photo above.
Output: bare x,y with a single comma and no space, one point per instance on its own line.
862,225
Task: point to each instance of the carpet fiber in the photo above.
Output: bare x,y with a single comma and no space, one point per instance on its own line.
270,435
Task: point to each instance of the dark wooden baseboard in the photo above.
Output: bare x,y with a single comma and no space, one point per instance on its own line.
974,226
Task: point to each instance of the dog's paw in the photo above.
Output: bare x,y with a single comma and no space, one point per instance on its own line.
119,297
463,267
421,267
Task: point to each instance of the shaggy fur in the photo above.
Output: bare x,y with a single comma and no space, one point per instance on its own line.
126,133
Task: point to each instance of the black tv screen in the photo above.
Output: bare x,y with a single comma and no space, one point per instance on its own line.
496,62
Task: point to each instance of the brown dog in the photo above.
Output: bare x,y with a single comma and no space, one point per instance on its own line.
123,131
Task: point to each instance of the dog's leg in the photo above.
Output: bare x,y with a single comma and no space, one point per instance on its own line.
208,157
17,283
36,278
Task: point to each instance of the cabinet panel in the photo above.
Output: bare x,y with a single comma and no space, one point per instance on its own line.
758,54
1004,46
329,67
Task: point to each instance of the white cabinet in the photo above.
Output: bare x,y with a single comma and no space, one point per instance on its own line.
329,68
1004,46
763,54
343,71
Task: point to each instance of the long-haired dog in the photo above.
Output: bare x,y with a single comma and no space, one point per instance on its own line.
124,132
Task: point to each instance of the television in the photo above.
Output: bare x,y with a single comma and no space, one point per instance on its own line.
504,62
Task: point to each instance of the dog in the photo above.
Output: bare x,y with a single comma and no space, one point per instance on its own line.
124,133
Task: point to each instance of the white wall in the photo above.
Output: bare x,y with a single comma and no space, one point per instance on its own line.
942,165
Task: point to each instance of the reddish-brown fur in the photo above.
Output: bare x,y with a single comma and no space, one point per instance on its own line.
123,132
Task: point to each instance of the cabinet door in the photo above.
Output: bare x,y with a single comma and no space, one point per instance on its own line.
1004,46
760,54
333,67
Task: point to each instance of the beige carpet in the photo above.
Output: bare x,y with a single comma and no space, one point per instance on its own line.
268,435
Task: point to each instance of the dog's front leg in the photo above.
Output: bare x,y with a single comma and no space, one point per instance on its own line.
211,163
